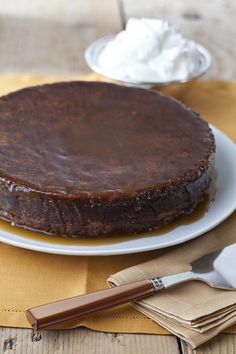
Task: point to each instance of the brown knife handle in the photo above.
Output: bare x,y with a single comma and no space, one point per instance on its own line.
76,307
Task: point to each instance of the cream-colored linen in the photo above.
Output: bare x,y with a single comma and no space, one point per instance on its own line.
29,278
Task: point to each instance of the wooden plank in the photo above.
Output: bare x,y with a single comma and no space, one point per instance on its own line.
64,11
82,340
222,344
208,22
52,39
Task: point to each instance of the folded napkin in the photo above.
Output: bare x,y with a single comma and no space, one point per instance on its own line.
193,311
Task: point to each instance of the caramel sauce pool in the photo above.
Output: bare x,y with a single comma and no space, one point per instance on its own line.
198,213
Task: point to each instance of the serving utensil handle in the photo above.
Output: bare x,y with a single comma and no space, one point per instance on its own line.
51,314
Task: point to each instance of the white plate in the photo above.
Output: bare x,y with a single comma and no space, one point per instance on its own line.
222,206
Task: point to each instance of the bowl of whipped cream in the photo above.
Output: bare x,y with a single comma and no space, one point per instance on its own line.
148,52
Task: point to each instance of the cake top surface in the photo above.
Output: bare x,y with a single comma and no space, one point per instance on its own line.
90,138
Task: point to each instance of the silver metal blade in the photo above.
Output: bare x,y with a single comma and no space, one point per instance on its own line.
217,269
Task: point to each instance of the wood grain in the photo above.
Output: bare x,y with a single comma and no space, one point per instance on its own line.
54,43
222,344
211,23
18,341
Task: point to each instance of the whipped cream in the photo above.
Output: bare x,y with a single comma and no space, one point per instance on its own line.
150,50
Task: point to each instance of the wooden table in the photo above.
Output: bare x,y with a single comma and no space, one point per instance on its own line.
49,37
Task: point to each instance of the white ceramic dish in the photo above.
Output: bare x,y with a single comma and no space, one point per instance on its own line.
93,51
222,206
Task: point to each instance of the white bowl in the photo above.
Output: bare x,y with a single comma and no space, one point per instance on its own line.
93,51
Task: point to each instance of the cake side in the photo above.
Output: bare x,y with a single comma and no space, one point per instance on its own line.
148,210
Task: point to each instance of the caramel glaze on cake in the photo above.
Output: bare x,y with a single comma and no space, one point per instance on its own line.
89,158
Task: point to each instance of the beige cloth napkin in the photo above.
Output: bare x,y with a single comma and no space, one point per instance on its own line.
193,311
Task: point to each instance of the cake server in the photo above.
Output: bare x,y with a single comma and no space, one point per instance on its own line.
216,269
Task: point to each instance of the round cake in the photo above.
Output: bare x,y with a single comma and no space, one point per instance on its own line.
89,159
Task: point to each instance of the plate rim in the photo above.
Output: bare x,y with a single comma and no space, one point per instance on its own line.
70,250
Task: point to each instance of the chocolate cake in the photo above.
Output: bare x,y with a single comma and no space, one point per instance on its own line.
89,158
